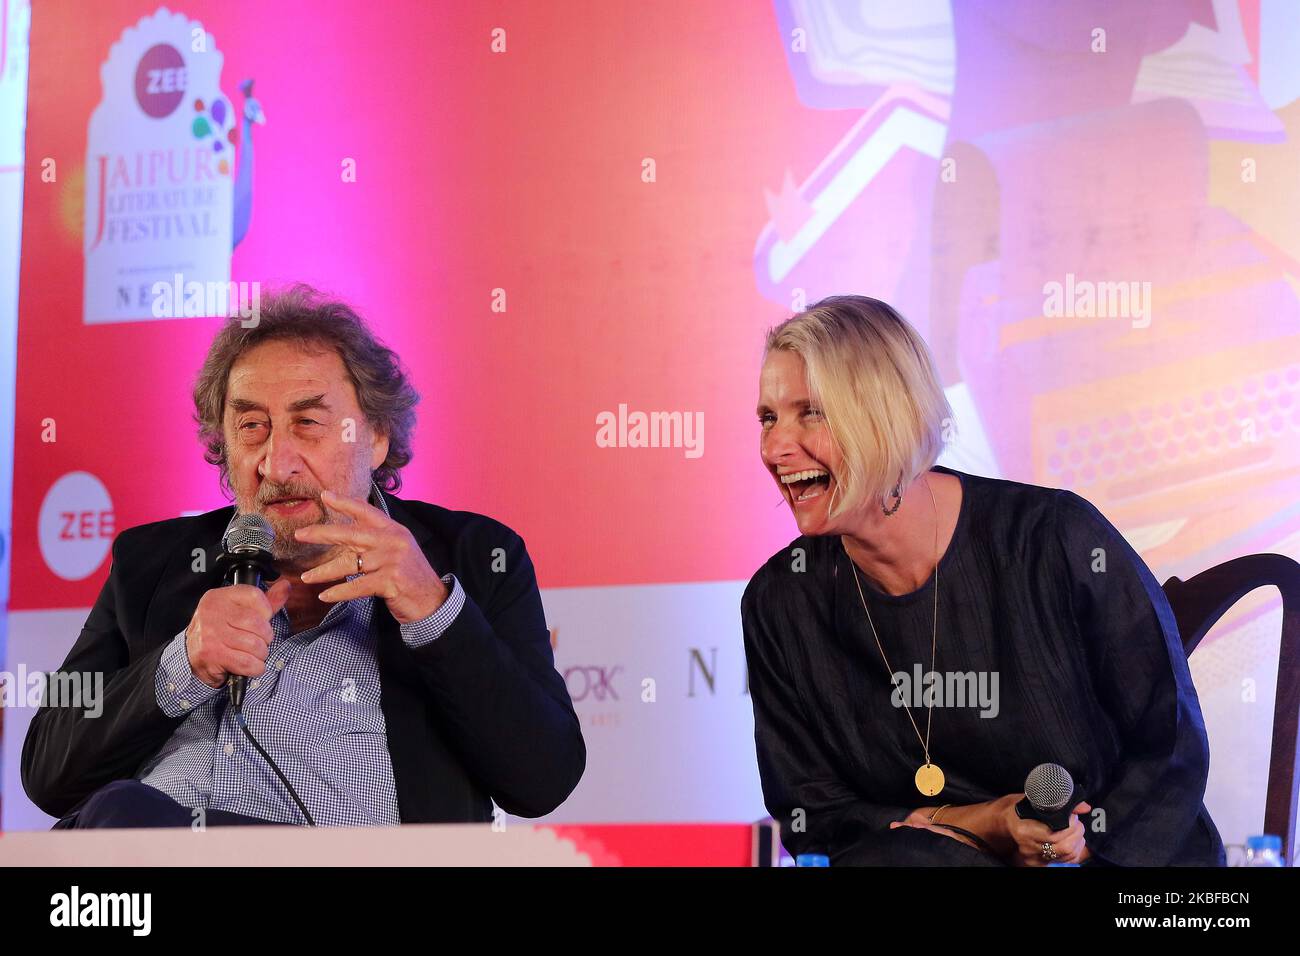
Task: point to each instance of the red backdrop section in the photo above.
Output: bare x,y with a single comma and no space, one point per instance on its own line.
475,171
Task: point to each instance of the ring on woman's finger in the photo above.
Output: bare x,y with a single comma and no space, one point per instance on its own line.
1049,852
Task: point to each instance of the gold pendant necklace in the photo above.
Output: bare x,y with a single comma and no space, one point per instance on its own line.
929,778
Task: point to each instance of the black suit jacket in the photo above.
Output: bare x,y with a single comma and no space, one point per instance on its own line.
479,713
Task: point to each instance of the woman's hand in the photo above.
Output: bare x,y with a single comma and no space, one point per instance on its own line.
986,820
1030,835
920,820
920,817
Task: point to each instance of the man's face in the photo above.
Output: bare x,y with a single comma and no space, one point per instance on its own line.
293,429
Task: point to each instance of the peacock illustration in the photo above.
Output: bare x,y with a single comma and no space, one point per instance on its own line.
244,177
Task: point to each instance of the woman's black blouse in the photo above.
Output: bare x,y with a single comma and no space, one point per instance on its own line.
1035,587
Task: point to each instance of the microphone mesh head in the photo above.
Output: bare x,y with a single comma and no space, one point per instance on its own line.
1048,786
249,532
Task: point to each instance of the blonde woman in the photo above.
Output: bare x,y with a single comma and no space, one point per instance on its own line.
932,636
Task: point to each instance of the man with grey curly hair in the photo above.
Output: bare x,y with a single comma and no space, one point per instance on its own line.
398,670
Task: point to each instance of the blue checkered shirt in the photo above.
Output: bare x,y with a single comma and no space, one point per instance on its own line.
316,711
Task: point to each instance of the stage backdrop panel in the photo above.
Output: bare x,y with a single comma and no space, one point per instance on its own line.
569,214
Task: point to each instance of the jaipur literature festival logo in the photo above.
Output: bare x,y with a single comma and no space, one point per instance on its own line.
160,170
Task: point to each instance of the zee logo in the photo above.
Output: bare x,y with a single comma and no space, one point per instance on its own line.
591,681
170,80
86,524
76,525
160,80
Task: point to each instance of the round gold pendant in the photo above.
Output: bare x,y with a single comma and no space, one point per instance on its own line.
929,779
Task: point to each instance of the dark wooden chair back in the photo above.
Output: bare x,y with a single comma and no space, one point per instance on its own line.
1198,603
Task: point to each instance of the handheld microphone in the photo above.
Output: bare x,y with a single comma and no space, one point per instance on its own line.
1049,796
246,559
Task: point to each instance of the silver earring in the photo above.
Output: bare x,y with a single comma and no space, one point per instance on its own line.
898,500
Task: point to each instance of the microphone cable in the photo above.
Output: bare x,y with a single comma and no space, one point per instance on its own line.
246,558
243,725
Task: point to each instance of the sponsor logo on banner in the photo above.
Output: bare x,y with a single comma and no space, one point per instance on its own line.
594,694
591,681
160,169
76,525
707,671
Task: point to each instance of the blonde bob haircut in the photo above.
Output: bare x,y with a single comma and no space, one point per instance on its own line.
874,379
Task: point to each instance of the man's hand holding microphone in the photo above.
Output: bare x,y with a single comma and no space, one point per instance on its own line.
230,632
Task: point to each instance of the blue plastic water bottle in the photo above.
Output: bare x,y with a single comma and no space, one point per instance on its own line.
1264,850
